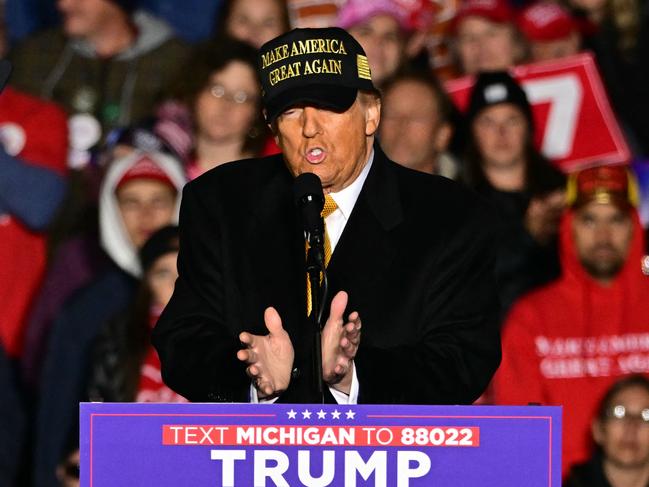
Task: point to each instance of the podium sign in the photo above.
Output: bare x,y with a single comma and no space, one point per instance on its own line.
319,445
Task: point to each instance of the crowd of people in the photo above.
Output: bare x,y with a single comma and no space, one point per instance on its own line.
114,105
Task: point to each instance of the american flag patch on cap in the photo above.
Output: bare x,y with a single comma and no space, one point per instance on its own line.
363,67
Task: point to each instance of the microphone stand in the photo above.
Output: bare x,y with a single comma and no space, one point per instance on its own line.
314,266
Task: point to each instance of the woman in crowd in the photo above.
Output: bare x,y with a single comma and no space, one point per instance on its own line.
381,27
502,163
621,433
253,21
217,108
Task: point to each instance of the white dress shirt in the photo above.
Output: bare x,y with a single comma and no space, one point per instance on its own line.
335,224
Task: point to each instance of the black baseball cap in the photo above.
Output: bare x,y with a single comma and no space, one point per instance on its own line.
322,67
494,88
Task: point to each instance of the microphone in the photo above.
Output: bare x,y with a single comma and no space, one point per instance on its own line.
309,198
5,71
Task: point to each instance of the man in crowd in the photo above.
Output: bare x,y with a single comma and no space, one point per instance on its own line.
416,125
550,31
485,37
106,64
412,257
502,163
567,342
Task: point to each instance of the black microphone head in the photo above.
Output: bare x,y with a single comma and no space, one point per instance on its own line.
307,188
309,198
5,71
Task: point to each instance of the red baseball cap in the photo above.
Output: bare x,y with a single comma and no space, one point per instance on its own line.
498,11
545,22
603,184
145,168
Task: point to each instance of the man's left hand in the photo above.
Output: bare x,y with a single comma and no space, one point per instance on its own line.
340,342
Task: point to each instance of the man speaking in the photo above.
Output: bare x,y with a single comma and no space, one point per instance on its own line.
411,312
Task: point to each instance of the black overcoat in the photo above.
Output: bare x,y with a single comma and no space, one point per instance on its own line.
416,258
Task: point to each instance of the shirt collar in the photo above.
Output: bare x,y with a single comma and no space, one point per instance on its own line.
346,197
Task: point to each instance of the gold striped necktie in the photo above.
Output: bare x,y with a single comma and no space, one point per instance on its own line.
329,207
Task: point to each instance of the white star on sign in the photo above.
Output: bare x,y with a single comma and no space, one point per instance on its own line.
335,414
291,414
322,414
306,414
350,414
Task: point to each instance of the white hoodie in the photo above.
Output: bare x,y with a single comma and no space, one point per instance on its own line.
114,237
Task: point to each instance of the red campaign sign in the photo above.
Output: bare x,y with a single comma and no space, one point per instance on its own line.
575,125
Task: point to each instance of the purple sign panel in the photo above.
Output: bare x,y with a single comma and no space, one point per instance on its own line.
319,445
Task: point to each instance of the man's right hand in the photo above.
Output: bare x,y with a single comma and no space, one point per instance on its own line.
543,215
340,341
269,357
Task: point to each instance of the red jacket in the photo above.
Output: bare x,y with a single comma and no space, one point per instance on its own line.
37,131
567,342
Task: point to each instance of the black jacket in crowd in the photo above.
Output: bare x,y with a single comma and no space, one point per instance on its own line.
589,474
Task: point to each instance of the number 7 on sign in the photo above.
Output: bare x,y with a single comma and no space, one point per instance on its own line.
565,94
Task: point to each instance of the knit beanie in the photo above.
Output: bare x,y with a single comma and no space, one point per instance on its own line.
163,241
494,88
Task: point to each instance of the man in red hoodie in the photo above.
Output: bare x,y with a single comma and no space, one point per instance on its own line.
566,343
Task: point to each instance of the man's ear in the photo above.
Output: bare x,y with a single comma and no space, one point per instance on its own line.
520,47
597,428
443,137
271,126
372,107
575,41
